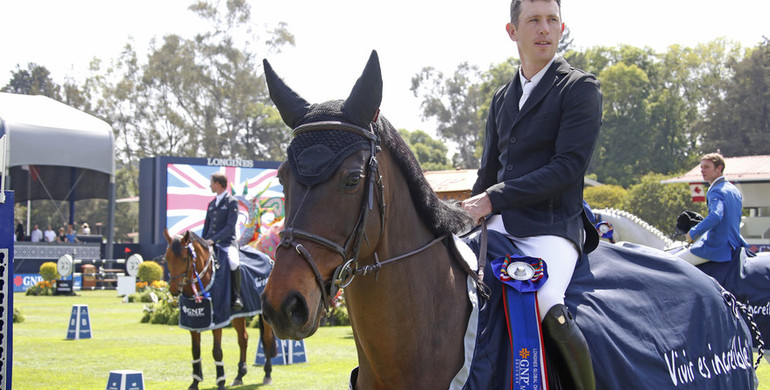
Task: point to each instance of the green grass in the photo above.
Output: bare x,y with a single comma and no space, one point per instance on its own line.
44,359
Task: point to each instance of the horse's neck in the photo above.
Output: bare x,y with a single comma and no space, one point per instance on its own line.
411,306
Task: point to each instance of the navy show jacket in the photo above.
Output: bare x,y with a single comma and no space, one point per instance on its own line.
535,158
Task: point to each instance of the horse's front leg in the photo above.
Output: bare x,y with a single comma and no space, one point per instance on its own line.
268,347
239,324
197,373
217,353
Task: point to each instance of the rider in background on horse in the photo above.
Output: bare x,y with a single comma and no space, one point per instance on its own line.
718,236
541,131
219,232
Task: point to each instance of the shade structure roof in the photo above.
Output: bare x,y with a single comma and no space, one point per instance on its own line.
55,151
737,170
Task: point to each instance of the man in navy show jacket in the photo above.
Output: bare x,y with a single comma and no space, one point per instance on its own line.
219,232
535,158
541,131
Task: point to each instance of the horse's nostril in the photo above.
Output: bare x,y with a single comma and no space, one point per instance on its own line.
295,308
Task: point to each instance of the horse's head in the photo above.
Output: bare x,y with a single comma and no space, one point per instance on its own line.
182,253
333,212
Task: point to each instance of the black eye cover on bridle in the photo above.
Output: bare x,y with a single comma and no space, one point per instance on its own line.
314,156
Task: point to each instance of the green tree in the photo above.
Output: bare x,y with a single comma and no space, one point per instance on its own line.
454,102
493,79
622,151
738,123
565,43
660,204
192,97
430,153
687,80
195,97
605,196
126,213
35,80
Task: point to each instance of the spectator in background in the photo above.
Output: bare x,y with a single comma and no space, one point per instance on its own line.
71,234
62,236
19,231
37,234
49,235
86,229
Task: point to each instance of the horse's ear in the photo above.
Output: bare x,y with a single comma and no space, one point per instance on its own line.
363,104
186,237
168,237
291,106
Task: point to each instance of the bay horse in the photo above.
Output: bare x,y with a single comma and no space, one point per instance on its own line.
360,215
188,257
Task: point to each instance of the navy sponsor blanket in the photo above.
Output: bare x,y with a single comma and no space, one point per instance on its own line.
650,322
748,278
255,268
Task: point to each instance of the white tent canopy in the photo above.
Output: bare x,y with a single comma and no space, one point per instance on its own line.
57,152
65,152
43,131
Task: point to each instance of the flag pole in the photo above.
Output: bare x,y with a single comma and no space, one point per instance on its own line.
4,152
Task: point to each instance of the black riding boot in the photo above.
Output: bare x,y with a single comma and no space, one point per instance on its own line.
235,284
567,350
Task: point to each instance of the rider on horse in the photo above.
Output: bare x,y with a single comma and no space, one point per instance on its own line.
541,131
718,235
219,232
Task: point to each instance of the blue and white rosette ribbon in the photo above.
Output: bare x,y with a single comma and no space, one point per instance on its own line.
522,277
605,230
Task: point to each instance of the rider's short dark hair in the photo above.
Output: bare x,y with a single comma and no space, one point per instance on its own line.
516,9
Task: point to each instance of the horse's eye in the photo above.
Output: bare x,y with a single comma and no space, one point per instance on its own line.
353,180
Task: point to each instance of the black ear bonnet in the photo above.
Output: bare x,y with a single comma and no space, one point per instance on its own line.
314,156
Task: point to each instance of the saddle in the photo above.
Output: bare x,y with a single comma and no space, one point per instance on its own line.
635,332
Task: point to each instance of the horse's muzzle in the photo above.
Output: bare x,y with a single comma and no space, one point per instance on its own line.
292,319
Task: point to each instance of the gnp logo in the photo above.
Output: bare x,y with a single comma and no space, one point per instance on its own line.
22,282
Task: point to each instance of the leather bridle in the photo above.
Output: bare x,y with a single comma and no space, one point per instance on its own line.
353,242
350,251
191,275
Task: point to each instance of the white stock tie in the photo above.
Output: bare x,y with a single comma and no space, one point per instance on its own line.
526,90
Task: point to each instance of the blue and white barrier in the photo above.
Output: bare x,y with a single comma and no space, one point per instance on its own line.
125,380
80,323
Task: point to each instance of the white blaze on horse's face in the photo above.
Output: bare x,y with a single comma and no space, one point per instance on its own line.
292,297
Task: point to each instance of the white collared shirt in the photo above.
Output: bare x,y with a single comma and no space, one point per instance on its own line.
528,85
219,198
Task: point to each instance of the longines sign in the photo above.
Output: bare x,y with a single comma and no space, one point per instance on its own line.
230,162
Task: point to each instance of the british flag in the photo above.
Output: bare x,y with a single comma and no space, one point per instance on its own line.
188,193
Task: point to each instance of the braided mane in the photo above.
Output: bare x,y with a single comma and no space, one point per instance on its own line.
638,221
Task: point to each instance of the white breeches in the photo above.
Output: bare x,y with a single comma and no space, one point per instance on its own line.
233,256
689,257
559,254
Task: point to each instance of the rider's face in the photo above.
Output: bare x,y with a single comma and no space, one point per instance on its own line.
215,187
709,171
